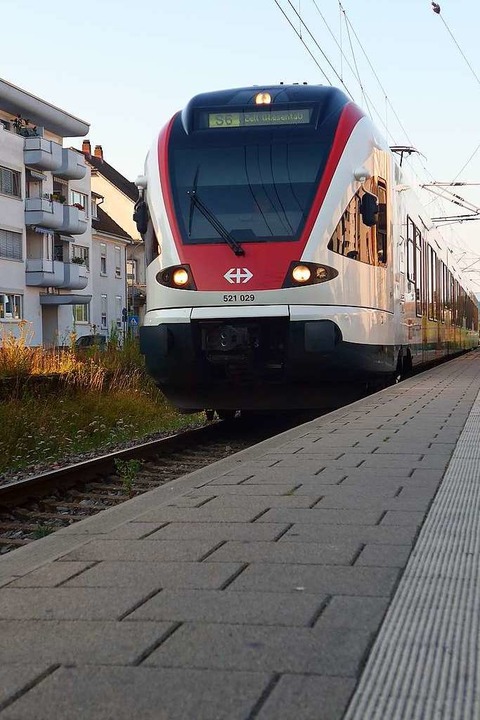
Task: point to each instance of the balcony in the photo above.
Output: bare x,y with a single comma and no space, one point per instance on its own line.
42,154
73,165
43,212
74,220
75,276
45,273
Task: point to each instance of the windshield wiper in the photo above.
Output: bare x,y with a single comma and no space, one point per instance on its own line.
215,223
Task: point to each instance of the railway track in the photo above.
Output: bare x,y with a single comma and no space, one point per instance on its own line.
42,504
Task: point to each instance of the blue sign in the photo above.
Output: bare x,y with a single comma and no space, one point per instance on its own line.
133,320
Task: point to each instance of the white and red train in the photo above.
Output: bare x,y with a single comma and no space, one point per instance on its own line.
288,259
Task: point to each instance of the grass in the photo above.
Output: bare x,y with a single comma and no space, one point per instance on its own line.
57,406
127,470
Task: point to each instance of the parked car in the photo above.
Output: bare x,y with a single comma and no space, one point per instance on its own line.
86,341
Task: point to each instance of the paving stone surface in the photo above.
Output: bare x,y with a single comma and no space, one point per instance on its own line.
255,592
309,697
124,693
156,575
78,642
329,651
228,606
15,679
67,603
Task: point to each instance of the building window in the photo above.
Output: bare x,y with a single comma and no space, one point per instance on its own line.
94,209
79,200
10,182
118,310
10,307
81,313
103,259
10,245
103,312
131,272
81,255
118,262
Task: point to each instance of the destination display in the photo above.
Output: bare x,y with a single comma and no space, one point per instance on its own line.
259,118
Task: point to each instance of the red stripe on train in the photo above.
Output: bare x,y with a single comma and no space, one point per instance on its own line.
268,262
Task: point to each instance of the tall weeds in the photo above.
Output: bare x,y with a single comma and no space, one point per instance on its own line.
19,358
57,404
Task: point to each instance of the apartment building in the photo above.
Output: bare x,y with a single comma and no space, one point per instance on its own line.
51,229
118,199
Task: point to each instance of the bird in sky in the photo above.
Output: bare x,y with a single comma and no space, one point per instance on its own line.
436,8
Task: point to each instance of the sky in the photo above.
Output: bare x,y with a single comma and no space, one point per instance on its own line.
127,67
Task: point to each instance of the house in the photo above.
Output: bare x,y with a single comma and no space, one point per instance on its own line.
118,199
44,213
109,277
53,282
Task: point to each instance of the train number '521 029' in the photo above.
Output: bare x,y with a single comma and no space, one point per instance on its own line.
239,298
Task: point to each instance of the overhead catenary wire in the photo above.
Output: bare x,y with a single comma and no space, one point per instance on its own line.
355,71
368,104
368,101
317,45
299,35
388,102
437,10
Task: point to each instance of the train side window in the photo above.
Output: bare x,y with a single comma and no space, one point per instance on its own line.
441,291
381,227
346,237
434,272
418,272
352,238
410,251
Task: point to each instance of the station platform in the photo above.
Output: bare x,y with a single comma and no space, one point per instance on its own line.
329,573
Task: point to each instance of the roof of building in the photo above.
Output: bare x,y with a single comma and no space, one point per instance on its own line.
105,224
104,168
40,112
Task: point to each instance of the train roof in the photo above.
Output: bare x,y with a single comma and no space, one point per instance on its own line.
279,94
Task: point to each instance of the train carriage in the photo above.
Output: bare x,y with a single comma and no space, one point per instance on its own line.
289,262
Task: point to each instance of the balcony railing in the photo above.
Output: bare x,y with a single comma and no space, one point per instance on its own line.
55,273
45,273
74,220
55,216
43,212
73,165
42,154
75,277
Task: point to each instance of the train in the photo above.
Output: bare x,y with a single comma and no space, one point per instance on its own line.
289,261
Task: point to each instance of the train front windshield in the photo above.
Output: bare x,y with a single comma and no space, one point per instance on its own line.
258,183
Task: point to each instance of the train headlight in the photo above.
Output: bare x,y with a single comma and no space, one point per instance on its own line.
177,276
301,274
263,98
306,273
180,277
